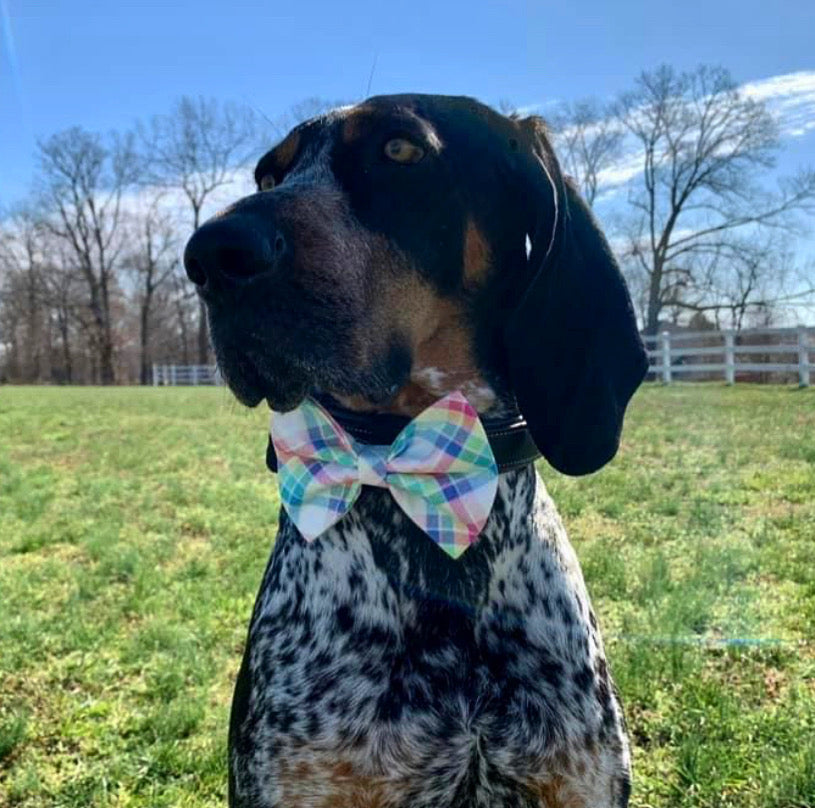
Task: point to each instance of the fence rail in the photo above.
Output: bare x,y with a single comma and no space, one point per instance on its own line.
756,354
775,355
186,375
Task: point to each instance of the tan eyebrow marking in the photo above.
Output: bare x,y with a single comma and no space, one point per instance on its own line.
354,124
284,153
359,118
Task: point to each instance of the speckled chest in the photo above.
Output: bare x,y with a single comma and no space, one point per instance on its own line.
380,672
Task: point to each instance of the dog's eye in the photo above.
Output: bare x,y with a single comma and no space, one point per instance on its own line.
401,150
266,182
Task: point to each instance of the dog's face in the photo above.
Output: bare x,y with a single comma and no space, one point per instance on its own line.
383,259
358,266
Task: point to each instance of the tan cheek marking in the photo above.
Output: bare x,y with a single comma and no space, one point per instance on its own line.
440,341
476,255
441,346
439,337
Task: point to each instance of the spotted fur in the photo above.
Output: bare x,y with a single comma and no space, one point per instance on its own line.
379,672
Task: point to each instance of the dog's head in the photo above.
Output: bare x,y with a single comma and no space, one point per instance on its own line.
413,245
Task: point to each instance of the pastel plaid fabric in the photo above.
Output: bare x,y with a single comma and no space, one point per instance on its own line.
440,470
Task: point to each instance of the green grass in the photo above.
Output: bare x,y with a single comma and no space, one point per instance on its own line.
135,525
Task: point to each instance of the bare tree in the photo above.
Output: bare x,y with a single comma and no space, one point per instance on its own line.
11,313
589,139
152,261
195,150
41,300
61,290
750,277
181,300
83,178
701,206
24,316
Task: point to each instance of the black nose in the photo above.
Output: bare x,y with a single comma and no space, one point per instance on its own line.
233,247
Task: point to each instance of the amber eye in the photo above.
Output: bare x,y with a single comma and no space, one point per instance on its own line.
401,150
266,182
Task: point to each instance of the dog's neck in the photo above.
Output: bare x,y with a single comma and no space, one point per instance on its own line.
427,385
412,562
509,437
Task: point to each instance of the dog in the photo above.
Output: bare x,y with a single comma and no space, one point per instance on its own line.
395,251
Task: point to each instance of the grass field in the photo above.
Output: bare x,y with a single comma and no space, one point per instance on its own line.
135,525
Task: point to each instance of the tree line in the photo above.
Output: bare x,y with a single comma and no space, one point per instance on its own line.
91,284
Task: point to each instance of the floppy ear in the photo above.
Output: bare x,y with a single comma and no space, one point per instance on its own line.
574,352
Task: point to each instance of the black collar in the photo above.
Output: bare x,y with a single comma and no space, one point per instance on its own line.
510,439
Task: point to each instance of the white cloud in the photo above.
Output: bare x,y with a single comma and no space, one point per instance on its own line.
239,183
790,98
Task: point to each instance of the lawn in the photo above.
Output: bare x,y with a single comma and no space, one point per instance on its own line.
135,525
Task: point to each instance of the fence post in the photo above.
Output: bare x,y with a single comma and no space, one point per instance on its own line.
666,357
729,358
172,375
803,356
155,376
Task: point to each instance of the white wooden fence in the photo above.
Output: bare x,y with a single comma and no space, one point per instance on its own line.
772,355
776,355
178,375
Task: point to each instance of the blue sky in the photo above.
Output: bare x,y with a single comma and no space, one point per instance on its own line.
105,64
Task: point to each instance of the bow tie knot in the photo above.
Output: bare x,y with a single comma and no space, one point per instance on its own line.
440,470
372,465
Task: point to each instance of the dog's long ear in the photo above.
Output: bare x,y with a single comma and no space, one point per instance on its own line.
574,353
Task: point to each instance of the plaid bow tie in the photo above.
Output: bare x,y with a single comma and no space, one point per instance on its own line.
440,470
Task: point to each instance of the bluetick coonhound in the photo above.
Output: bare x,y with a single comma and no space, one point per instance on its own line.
395,251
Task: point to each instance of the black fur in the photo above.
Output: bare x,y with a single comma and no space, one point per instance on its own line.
574,351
